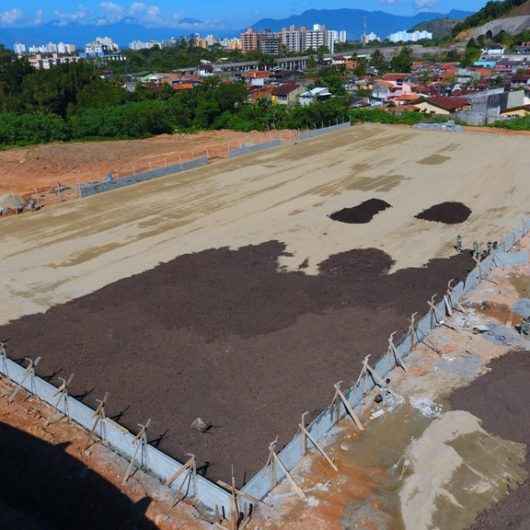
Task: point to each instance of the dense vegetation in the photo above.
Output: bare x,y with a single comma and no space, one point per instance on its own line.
75,102
397,118
490,11
514,124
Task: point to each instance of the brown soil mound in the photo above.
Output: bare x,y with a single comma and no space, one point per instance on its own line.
223,335
500,398
449,213
362,213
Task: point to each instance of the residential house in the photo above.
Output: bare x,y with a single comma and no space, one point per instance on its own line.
313,95
443,105
256,78
287,93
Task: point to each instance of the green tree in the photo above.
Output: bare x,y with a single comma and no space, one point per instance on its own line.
377,60
402,62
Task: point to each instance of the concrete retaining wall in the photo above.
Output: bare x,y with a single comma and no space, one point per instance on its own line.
248,149
92,188
312,133
447,127
208,494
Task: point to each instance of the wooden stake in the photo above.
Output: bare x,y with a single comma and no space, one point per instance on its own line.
306,435
61,395
432,306
392,349
339,395
3,357
368,370
275,459
140,441
244,495
190,464
412,330
29,372
191,467
99,416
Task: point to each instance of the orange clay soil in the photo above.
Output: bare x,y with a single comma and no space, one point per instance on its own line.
25,170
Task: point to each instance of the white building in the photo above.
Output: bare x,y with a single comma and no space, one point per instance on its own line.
343,36
66,49
100,47
141,45
19,48
413,36
366,38
313,95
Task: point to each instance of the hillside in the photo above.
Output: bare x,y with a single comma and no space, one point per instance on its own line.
511,16
352,20
440,27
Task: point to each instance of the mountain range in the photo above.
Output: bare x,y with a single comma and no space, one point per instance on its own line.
129,29
353,20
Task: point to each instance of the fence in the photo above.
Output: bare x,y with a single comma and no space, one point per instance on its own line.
91,188
312,133
449,126
248,149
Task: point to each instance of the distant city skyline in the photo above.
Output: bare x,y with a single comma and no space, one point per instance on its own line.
188,15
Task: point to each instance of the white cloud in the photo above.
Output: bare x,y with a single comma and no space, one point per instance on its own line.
10,17
64,18
39,17
112,12
424,4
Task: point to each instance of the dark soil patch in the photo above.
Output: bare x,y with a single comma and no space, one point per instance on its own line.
449,213
45,488
362,213
223,335
500,398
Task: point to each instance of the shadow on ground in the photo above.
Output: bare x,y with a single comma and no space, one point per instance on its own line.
45,488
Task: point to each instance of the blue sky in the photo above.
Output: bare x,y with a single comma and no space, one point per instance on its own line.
225,13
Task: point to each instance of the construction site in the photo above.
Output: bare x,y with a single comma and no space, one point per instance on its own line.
328,333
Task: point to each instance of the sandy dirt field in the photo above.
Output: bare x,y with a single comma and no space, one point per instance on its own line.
282,197
70,250
25,169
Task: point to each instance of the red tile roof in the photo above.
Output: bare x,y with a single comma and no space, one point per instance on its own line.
285,89
449,103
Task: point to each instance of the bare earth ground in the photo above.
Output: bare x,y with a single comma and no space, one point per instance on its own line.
23,170
71,250
452,454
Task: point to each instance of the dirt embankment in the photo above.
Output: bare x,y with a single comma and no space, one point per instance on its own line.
23,170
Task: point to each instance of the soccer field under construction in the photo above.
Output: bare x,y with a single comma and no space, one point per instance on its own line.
242,291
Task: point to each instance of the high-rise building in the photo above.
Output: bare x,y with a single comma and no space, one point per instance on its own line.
343,36
249,40
263,41
268,42
293,39
315,38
